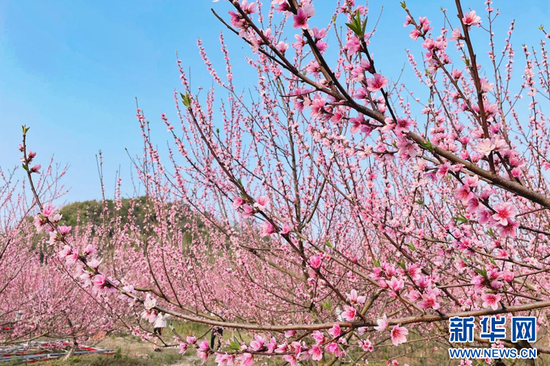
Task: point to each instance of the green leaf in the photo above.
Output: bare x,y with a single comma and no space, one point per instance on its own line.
357,25
482,272
402,265
376,262
329,244
234,345
428,146
411,246
461,219
352,27
240,182
403,5
186,100
327,305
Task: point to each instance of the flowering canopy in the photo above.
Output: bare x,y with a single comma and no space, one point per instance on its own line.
337,207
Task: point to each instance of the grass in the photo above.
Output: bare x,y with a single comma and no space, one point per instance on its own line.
160,359
120,359
130,351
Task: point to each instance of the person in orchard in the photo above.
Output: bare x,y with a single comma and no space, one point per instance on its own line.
160,324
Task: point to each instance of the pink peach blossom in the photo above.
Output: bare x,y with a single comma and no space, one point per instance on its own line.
491,301
505,212
305,12
315,261
316,353
382,324
349,313
376,83
399,335
261,202
335,331
471,19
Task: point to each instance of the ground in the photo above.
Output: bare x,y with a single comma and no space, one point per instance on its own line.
130,351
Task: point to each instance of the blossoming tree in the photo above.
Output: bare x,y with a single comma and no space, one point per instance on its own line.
38,298
335,210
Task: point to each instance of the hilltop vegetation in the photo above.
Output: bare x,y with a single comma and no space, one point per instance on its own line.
136,211
97,212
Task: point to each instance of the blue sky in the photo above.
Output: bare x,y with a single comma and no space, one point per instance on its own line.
71,69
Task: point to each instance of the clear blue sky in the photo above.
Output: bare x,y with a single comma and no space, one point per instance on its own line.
70,69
